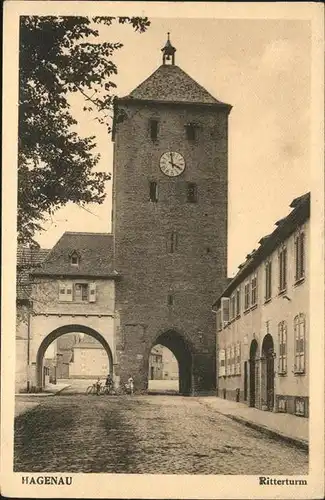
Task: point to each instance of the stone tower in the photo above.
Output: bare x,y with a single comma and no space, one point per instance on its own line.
169,223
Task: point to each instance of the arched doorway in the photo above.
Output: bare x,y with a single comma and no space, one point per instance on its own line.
268,372
58,332
252,373
180,348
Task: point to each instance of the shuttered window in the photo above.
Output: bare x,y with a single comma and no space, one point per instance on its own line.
300,256
282,339
299,334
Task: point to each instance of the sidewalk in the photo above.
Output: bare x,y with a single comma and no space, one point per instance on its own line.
49,390
284,425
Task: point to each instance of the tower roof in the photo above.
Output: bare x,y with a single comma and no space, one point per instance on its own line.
169,83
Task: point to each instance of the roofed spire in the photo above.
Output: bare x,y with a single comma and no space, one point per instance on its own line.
168,52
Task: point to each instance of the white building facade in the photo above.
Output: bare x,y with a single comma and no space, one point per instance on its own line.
263,321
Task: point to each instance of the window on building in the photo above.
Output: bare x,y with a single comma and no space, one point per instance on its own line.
65,292
268,280
191,131
74,259
153,191
81,292
232,306
153,129
232,355
282,334
172,244
299,333
237,370
254,289
225,310
228,361
247,296
218,318
191,192
300,256
170,299
282,269
222,363
237,302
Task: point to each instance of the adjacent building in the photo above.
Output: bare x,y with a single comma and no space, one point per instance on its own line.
263,321
89,360
156,363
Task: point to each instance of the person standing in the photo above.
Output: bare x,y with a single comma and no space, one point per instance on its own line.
131,384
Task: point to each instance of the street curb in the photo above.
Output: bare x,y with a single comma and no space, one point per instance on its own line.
301,443
41,394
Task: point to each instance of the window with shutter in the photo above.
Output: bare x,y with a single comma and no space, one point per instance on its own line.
268,280
238,302
224,310
92,292
238,358
254,289
299,332
247,297
62,294
282,361
222,368
68,291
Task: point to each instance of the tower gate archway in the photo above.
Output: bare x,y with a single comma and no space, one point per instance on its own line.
182,351
62,330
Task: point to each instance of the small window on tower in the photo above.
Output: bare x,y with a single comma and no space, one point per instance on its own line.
191,131
154,129
173,242
191,192
153,191
170,299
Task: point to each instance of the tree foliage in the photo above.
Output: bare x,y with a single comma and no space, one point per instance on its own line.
59,56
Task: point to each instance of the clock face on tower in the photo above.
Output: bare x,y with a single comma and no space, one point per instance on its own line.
172,163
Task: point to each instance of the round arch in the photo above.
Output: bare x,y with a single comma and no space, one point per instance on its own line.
267,375
182,350
253,375
62,330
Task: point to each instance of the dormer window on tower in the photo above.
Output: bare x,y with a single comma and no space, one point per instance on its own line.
168,52
74,259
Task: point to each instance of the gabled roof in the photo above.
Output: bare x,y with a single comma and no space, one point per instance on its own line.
94,249
169,83
28,260
285,227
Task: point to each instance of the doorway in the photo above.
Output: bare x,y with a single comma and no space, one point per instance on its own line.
252,373
268,371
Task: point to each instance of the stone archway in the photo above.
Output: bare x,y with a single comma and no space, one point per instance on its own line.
252,373
62,330
181,349
267,373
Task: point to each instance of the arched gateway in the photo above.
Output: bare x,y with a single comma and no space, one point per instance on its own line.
181,349
62,330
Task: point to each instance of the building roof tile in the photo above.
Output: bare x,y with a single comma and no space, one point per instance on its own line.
95,252
287,225
28,260
169,83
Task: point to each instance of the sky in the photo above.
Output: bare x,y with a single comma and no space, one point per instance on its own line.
261,68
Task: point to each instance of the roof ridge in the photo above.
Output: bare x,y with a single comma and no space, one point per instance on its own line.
86,233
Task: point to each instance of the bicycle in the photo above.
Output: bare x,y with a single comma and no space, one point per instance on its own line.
94,389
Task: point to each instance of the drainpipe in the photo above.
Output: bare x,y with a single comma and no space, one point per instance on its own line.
28,344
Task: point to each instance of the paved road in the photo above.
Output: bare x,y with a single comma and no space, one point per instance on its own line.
144,434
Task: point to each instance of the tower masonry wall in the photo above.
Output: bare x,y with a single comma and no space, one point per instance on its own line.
195,272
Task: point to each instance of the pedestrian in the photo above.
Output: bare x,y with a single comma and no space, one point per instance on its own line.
98,384
109,382
130,384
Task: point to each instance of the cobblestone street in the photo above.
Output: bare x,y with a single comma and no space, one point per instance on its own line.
144,434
